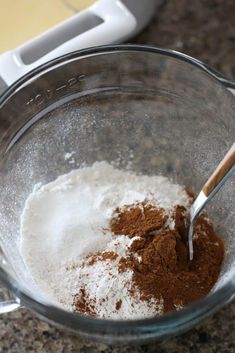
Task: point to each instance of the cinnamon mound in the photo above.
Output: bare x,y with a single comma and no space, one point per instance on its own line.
138,219
162,269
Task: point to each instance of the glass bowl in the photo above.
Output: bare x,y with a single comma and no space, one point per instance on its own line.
154,111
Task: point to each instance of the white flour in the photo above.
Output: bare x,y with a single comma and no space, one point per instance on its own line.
64,221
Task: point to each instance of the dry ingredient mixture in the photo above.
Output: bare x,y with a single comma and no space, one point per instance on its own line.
113,244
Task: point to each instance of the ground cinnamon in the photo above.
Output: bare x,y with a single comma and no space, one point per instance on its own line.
162,269
83,303
138,219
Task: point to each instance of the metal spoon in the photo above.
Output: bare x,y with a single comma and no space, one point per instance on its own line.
224,170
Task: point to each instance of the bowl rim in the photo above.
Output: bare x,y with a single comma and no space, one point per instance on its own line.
158,325
111,49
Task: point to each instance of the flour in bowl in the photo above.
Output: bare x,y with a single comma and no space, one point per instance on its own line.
65,222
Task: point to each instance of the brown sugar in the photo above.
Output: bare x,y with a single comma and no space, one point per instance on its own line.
162,269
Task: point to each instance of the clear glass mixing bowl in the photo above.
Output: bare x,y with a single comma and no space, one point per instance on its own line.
155,111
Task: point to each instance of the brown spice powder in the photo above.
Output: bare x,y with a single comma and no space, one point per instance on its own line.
164,271
83,304
102,256
138,219
118,304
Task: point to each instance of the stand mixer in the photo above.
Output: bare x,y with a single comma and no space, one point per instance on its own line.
104,22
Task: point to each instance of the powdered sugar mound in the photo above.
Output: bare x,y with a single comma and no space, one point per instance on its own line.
66,220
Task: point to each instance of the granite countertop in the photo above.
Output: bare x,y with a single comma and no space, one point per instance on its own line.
204,29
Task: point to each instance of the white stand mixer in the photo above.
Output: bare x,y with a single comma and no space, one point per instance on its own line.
105,22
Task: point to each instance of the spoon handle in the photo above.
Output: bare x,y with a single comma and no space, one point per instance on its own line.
223,168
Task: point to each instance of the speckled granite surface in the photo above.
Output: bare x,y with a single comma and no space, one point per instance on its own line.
205,29
21,332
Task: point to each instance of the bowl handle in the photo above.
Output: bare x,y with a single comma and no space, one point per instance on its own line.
8,305
105,22
8,302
